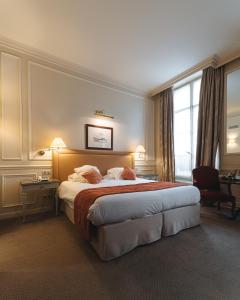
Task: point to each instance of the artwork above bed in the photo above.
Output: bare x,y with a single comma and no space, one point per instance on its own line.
99,137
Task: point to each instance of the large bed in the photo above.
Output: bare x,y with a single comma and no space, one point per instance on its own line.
121,222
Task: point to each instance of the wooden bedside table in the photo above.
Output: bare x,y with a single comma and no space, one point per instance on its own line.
29,186
151,176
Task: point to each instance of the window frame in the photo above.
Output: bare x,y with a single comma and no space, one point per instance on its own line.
191,107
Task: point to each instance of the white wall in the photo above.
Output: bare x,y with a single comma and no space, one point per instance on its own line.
41,100
61,104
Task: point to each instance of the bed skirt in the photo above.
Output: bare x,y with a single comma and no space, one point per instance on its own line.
175,220
113,240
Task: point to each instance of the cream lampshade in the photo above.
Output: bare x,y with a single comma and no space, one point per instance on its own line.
140,150
57,144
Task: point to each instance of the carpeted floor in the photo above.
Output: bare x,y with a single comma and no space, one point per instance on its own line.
45,259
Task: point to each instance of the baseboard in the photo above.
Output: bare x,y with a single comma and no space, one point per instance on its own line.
16,214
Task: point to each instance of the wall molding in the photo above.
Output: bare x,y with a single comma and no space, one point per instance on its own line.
7,167
29,105
2,54
228,57
211,61
214,61
3,179
29,102
91,77
145,163
85,74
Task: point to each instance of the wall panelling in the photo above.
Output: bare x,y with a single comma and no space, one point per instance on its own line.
42,99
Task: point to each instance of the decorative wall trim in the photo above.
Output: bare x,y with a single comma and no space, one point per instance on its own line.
70,67
4,176
3,156
29,92
145,163
101,80
229,57
145,168
7,167
214,61
29,111
211,61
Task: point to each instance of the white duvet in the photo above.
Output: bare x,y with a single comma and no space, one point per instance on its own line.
121,207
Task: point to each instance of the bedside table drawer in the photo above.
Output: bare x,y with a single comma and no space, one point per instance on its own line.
47,186
27,187
39,186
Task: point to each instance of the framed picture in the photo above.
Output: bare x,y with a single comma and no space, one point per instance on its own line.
99,137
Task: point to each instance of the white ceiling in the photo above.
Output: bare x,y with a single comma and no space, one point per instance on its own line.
137,43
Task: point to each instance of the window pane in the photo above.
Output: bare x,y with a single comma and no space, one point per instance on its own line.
182,139
185,128
196,91
195,123
182,98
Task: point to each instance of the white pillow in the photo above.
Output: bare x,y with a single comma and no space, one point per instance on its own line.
85,168
77,178
115,172
108,177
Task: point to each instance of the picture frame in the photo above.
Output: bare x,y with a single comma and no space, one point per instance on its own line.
99,137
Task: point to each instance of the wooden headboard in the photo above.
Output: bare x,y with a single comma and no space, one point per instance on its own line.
66,160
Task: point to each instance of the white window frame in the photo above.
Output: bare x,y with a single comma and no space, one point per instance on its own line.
192,106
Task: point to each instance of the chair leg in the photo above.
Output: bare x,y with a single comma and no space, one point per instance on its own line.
219,204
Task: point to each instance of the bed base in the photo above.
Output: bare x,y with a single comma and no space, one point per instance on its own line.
113,240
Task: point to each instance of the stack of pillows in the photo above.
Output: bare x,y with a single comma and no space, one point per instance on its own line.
91,174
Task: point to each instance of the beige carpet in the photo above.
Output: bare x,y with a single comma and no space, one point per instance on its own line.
45,259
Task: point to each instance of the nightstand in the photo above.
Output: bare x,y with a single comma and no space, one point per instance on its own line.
29,186
151,176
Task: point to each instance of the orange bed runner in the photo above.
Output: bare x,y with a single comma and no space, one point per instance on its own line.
86,198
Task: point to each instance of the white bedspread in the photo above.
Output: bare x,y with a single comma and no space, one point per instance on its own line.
121,207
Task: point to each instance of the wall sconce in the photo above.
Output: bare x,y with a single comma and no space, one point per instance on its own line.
100,113
139,152
232,140
57,144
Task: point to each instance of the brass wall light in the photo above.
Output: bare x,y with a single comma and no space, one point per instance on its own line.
100,113
57,144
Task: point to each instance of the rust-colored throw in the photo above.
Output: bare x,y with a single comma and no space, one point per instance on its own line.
128,174
86,198
92,176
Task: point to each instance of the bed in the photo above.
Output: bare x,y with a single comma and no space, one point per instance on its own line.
122,222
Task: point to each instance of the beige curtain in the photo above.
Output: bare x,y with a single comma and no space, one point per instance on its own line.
164,135
210,116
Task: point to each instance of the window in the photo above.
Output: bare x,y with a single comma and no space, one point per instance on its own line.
186,101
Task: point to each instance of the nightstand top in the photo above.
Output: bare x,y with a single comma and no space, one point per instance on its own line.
31,182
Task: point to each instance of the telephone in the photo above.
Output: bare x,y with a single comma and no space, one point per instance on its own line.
43,178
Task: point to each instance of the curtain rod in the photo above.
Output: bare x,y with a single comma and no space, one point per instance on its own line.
211,61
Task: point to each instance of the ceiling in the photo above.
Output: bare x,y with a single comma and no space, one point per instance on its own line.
136,43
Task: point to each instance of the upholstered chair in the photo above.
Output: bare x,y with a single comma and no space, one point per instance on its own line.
206,179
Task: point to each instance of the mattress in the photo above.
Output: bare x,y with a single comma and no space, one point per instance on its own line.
120,207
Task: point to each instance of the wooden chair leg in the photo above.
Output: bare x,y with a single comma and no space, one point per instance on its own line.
219,204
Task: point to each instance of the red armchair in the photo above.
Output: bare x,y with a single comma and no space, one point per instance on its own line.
206,180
